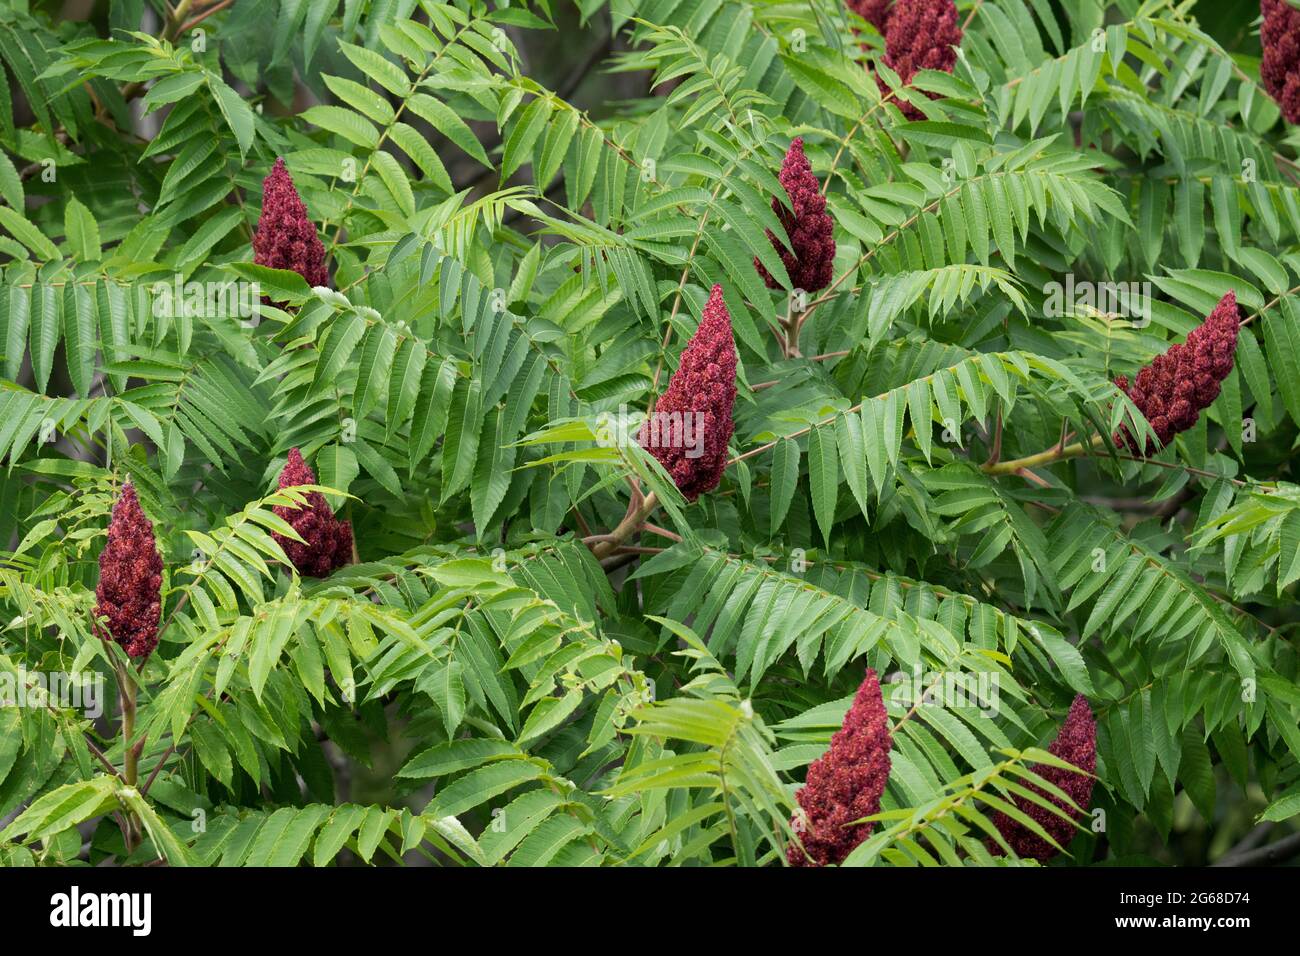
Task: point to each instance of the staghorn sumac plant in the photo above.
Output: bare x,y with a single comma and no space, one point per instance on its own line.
810,435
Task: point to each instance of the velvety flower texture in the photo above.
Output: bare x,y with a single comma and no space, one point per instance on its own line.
1075,743
875,12
1280,68
807,224
1174,389
129,593
846,782
921,35
691,424
328,541
286,237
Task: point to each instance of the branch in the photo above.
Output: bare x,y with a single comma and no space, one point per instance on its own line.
217,8
161,760
631,523
1279,852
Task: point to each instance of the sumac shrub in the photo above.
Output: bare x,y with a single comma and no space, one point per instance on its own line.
655,432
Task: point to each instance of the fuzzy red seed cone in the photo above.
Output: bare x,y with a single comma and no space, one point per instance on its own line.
1279,69
328,541
129,593
286,237
921,35
845,783
875,12
1178,385
1075,743
811,257
691,424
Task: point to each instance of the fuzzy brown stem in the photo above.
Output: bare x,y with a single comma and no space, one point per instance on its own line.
127,690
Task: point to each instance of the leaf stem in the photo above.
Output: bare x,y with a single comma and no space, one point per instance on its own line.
1053,454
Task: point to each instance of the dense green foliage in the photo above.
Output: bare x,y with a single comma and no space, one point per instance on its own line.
515,257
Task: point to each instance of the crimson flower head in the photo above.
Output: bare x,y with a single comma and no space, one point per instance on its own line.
1075,743
1172,391
1280,68
920,35
328,544
129,593
691,424
807,224
845,783
286,237
875,12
